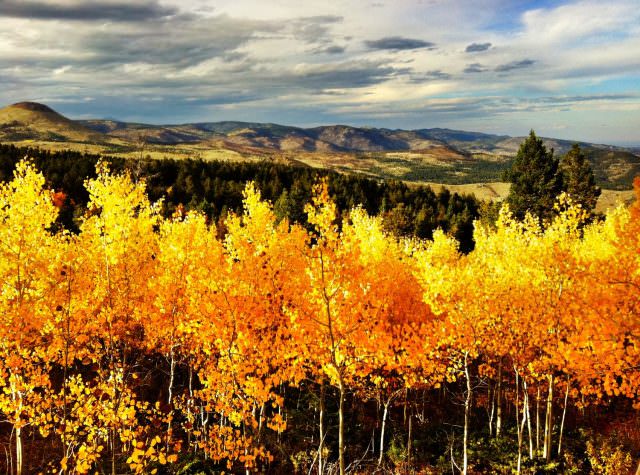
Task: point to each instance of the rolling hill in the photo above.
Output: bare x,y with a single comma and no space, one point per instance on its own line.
433,155
33,121
443,155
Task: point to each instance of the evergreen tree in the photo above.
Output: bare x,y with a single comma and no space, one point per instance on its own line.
535,181
283,207
579,181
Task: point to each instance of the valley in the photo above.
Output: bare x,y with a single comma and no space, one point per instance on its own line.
465,162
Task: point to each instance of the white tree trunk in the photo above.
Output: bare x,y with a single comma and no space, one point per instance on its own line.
548,427
491,397
538,419
564,413
321,423
519,426
19,451
341,442
526,402
499,402
467,412
384,422
409,440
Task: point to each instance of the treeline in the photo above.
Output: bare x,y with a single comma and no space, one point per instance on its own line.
145,344
215,187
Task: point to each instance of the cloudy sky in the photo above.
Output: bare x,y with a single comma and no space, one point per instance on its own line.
568,69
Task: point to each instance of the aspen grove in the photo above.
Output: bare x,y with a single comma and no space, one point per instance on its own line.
142,342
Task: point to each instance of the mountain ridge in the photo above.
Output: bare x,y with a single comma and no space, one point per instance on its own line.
343,137
384,137
420,155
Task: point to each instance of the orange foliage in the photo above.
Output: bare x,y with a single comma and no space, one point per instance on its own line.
232,321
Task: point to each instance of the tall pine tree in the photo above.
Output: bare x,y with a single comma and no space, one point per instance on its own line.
535,181
579,181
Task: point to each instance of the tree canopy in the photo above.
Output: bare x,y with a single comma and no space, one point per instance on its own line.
144,343
537,178
578,178
216,188
535,181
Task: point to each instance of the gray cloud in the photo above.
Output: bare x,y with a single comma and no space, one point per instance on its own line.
173,61
481,107
435,75
525,63
477,47
209,57
475,68
595,97
314,29
331,49
200,39
345,75
398,43
89,11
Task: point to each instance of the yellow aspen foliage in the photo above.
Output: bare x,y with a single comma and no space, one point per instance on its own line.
145,340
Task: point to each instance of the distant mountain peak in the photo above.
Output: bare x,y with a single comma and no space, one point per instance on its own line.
34,107
34,121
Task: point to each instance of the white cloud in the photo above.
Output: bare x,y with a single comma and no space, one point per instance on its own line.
266,59
580,20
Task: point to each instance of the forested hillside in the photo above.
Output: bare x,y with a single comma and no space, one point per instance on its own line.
215,187
420,156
